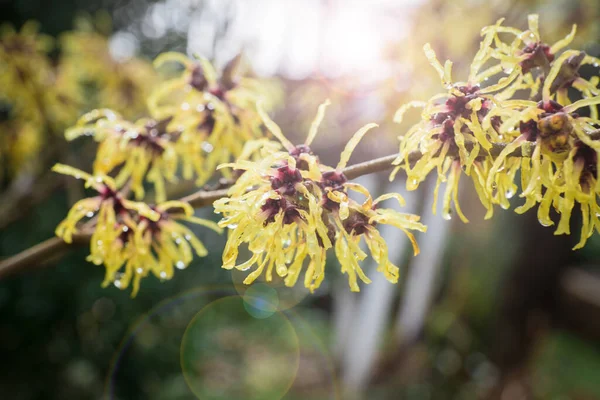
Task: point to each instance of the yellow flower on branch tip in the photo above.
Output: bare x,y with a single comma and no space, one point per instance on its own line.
287,207
215,112
361,221
456,131
158,246
562,169
108,196
144,150
539,65
132,236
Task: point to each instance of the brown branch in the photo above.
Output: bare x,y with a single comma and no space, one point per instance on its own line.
40,253
202,198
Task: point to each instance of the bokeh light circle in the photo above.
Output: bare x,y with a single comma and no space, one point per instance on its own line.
228,353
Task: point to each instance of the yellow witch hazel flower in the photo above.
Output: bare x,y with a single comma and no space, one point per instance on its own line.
456,132
536,60
287,207
566,147
562,168
130,235
215,113
143,150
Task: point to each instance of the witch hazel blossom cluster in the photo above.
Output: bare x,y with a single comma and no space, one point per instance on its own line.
524,110
288,207
196,122
524,123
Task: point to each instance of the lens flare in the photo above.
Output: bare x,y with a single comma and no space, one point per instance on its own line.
226,353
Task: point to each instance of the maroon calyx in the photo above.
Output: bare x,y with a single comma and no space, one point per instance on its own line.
568,73
106,193
197,79
589,157
333,180
550,107
357,223
297,151
272,207
208,123
285,179
536,55
300,149
456,107
155,132
529,130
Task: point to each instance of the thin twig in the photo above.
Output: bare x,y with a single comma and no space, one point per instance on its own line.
38,254
202,198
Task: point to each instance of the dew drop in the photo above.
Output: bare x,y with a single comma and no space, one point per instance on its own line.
185,106
245,268
139,270
178,241
207,147
509,193
188,237
596,65
77,176
180,264
125,228
232,226
100,243
90,214
118,284
163,274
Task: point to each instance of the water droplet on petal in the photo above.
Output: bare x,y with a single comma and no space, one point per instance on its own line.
139,270
90,214
207,147
180,265
163,274
447,215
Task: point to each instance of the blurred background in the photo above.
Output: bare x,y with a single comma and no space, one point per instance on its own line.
498,309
